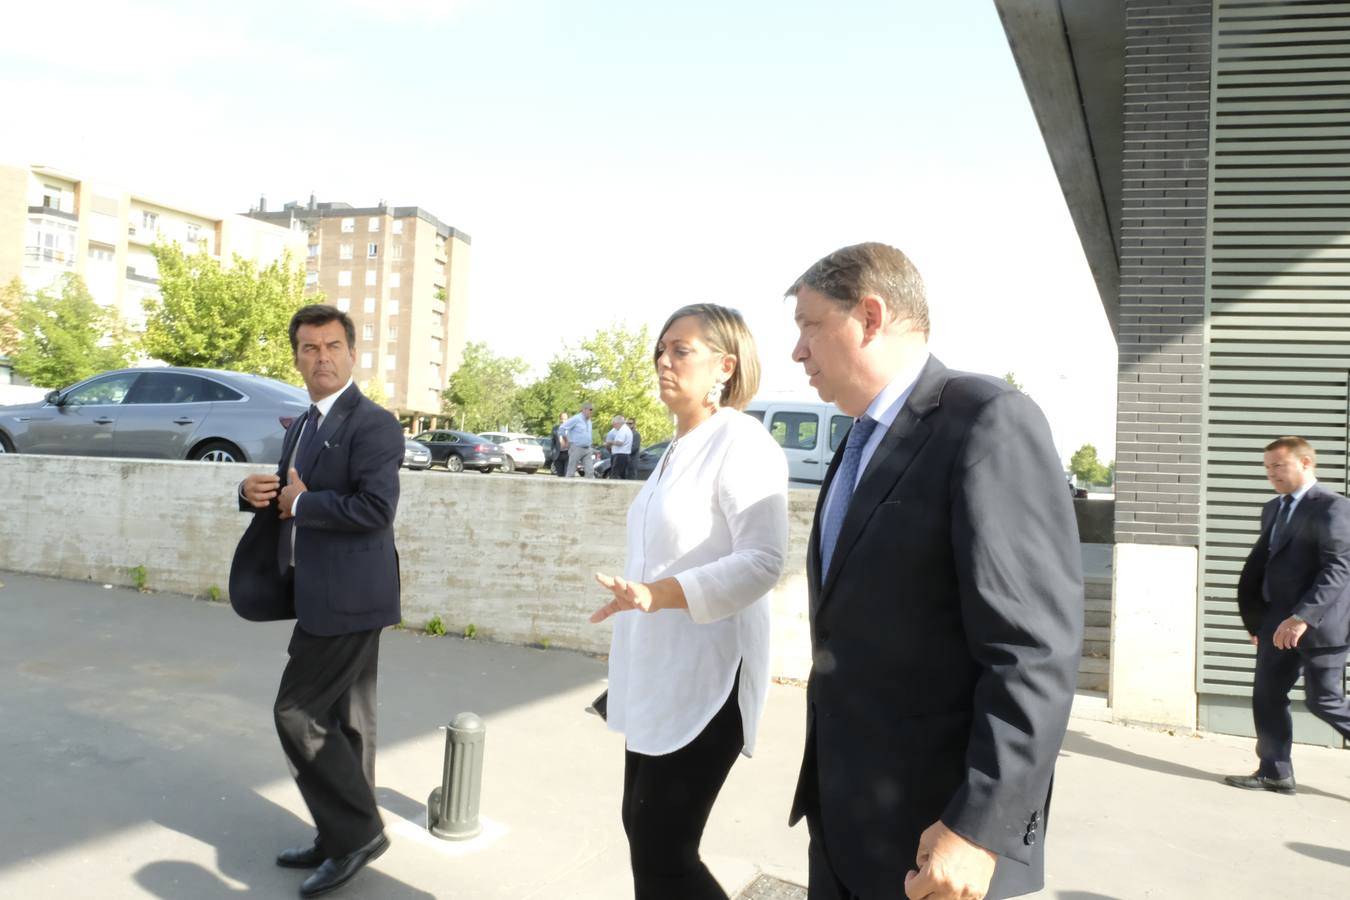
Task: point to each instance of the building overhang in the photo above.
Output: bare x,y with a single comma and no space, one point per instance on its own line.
1070,54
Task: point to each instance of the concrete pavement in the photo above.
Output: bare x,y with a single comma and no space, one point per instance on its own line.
139,760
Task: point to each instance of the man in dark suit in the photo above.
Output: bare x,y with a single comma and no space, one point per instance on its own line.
946,604
559,447
320,550
1294,598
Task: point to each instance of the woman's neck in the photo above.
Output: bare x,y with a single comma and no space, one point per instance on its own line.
687,420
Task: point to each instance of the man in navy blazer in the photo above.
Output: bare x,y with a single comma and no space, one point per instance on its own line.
320,550
1294,598
946,606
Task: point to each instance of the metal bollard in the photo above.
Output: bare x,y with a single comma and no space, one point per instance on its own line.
452,808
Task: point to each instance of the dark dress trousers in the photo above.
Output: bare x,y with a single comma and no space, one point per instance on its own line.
946,637
1306,573
343,590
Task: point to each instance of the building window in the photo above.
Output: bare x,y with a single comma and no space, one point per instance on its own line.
370,305
392,331
395,280
392,306
51,241
396,251
374,223
348,226
367,332
345,278
372,250
390,363
345,304
370,278
311,279
193,232
397,226
367,360
100,254
344,251
313,251
435,348
437,321
149,220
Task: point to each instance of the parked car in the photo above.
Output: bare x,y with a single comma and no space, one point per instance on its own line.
159,413
460,450
415,455
648,459
545,444
809,431
522,451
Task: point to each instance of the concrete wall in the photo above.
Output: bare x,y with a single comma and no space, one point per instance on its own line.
1153,635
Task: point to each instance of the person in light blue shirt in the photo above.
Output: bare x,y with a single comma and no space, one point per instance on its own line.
576,431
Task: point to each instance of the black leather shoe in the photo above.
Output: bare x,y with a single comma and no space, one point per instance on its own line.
301,857
334,873
1258,782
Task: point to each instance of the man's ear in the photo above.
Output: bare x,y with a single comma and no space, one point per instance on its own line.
873,311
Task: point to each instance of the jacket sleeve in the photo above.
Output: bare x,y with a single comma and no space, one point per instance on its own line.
245,506
1020,583
1333,552
1250,596
376,449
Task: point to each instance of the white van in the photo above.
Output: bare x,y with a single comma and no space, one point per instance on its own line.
809,431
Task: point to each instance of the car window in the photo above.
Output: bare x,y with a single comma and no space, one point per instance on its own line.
839,426
176,387
794,430
103,391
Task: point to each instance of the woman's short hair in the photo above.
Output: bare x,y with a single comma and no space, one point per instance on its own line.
725,331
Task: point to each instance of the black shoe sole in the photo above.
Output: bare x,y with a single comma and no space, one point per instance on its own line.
328,889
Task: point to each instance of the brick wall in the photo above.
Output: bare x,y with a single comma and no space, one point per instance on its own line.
1162,235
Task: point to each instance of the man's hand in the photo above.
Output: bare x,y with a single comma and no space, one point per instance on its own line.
260,490
294,488
1288,632
1256,641
950,867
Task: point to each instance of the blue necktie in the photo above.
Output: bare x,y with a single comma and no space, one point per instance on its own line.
844,480
304,456
1281,518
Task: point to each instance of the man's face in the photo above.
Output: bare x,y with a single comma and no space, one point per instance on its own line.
1286,470
562,417
587,412
829,345
323,358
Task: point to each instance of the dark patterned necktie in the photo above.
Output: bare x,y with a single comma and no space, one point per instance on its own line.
1281,518
309,441
844,480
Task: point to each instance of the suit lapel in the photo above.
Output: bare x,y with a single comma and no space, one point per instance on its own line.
898,447
332,427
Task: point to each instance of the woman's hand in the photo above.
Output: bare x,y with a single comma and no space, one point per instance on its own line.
627,595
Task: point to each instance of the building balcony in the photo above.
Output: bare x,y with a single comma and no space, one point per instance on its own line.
133,275
53,212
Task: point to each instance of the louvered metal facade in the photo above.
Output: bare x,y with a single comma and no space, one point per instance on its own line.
1278,290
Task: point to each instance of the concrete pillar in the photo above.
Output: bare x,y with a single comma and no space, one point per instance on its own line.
1153,635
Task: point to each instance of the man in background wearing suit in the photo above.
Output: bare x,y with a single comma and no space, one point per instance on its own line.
946,604
1294,597
321,550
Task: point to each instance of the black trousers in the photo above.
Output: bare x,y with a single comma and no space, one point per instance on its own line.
325,717
618,466
1323,672
666,803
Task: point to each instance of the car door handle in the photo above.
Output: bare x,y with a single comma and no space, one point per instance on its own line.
811,462
103,420
183,420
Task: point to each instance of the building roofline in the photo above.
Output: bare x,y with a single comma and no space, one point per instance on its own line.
338,210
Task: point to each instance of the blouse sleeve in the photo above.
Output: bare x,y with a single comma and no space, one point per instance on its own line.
751,491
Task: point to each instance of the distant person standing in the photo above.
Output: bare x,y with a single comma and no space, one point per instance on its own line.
559,446
637,448
1294,597
619,441
576,431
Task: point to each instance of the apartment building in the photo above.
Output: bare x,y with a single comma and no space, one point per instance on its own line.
402,275
54,222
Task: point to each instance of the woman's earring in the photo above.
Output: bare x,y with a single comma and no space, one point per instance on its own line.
715,393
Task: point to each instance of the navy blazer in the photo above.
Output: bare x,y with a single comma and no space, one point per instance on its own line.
946,638
1306,574
346,565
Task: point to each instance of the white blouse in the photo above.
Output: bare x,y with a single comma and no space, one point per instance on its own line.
714,517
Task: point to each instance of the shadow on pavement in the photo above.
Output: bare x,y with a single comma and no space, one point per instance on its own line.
1334,855
1077,742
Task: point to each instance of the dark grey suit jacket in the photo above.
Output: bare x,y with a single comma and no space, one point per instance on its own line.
946,639
346,566
1306,574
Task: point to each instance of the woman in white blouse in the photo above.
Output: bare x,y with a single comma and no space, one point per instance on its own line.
689,660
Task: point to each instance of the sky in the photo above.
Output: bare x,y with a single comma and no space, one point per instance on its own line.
611,160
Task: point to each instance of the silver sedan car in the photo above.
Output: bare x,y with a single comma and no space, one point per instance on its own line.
162,413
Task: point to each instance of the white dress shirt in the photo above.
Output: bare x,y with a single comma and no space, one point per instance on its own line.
1298,496
714,517
623,439
884,407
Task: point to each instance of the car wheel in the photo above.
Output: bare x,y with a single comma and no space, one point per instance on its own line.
454,463
217,451
530,471
5,445
510,465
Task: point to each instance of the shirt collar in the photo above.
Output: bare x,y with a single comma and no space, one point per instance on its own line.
887,404
1298,494
326,403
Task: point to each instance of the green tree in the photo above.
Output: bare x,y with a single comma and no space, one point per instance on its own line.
376,392
1088,469
1012,379
620,379
224,317
480,395
538,404
64,336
